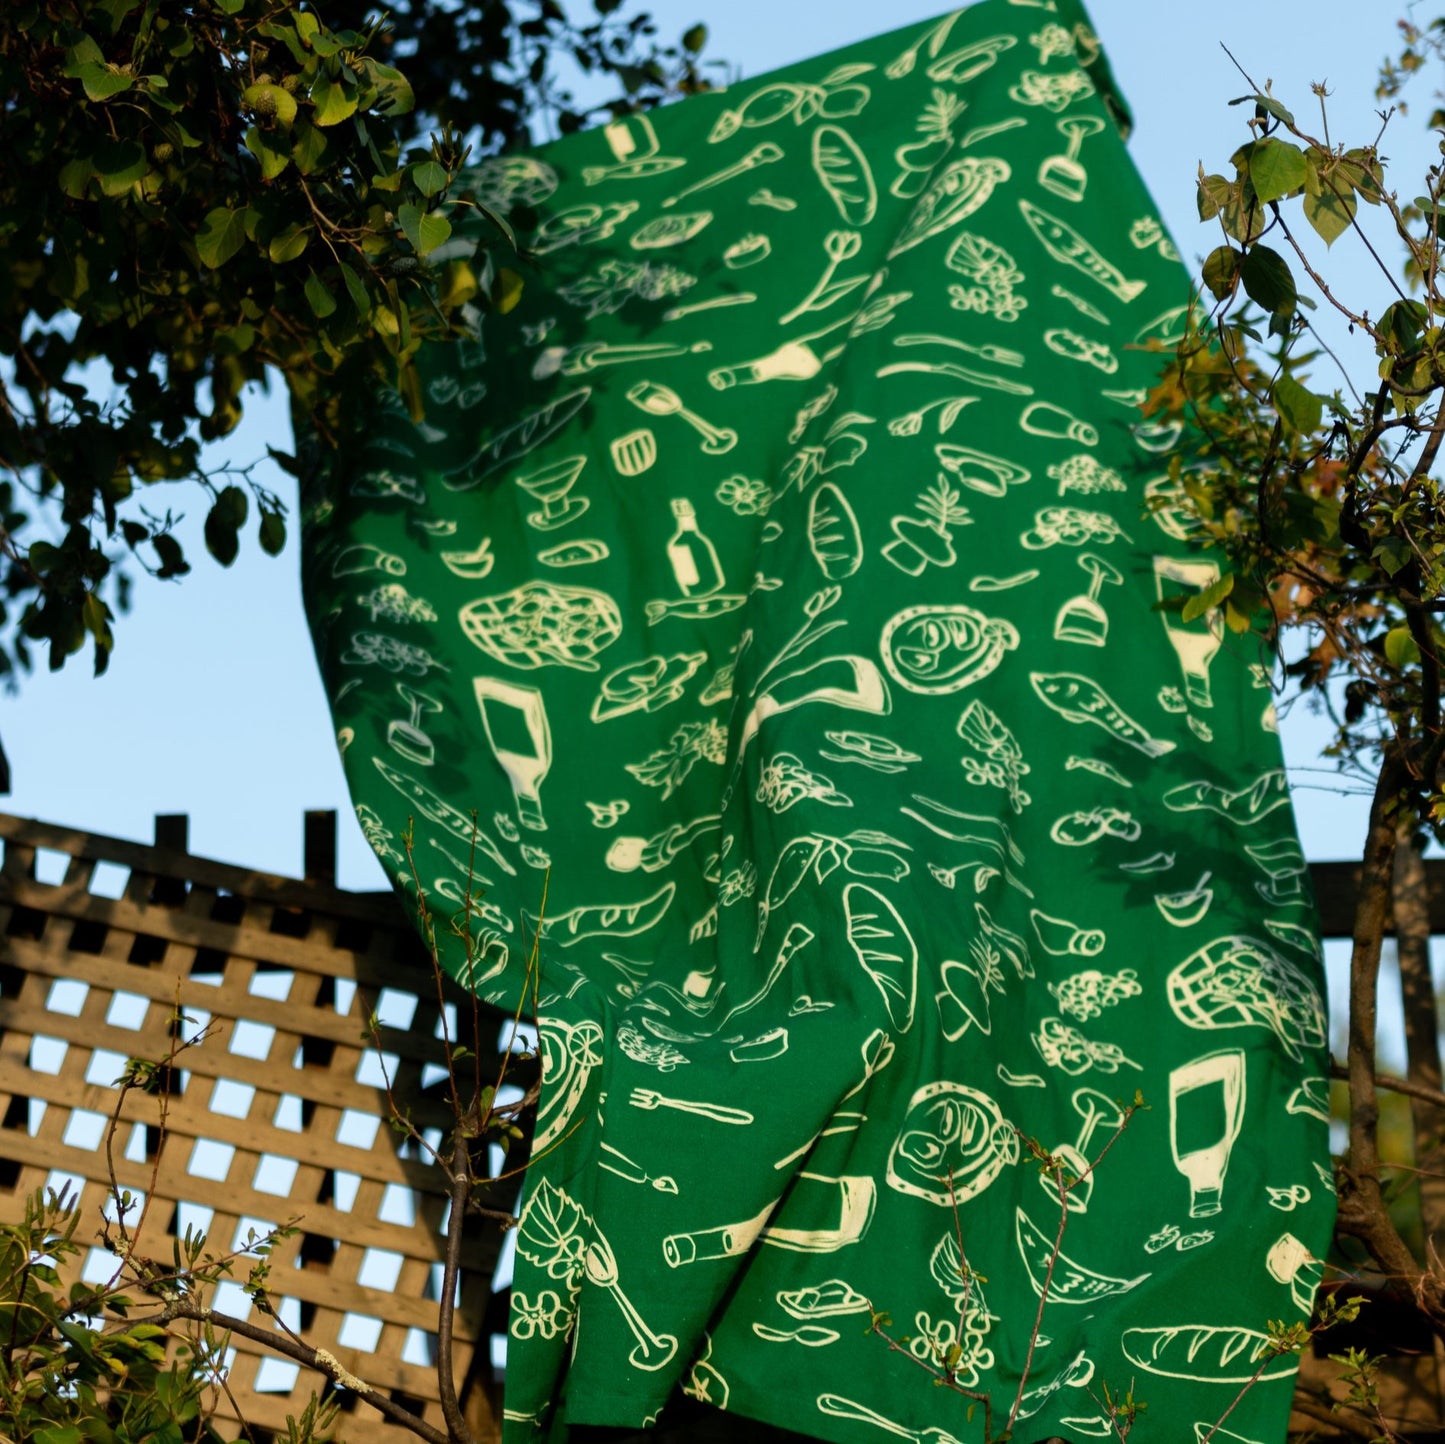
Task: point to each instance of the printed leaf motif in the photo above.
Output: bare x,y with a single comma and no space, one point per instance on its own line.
554,1233
946,1266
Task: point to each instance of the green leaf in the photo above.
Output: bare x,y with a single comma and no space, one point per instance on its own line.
1277,168
334,102
1400,648
1221,270
233,340
271,102
1393,554
1208,599
429,177
1268,280
274,158
96,616
59,1434
84,52
222,234
309,146
396,96
1299,408
425,232
288,243
1214,195
230,7
356,289
506,290
101,82
119,164
173,562
1330,214
76,175
307,26
225,518
322,302
1271,106
273,533
694,38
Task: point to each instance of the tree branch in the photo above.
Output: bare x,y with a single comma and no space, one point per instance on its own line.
318,1359
460,1191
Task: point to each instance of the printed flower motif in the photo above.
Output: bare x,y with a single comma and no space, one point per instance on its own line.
662,1056
1085,995
984,774
988,965
1061,1046
545,1317
1084,474
932,1340
380,838
783,781
376,649
1145,232
712,743
939,1345
737,885
1171,699
392,602
1052,40
745,496
1007,306
669,766
1003,304
1052,92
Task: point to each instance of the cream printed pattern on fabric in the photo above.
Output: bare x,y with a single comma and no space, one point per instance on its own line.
778,616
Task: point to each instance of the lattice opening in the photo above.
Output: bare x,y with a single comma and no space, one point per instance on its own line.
51,865
66,996
109,880
88,937
127,1010
25,923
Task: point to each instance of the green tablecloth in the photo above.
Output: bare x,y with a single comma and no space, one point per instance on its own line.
778,584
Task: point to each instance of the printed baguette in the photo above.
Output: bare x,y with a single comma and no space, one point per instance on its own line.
1211,1355
845,174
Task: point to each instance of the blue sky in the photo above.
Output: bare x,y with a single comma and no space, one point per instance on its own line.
212,705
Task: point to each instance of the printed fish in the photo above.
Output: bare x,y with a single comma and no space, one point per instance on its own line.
1065,244
1081,699
614,920
696,609
438,810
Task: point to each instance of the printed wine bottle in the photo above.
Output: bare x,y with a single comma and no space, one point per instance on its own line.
792,361
693,556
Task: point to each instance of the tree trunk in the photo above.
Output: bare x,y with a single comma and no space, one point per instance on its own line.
1422,1032
1363,1212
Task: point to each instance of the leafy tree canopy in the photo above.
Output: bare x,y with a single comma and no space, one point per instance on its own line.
197,195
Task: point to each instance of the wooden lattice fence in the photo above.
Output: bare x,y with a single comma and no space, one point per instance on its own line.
283,1114
280,1115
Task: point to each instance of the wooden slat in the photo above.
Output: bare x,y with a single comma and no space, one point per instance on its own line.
177,914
